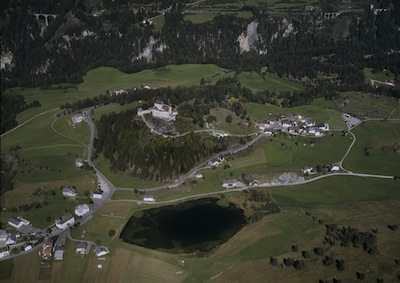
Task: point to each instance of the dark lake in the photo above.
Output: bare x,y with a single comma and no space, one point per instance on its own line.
185,228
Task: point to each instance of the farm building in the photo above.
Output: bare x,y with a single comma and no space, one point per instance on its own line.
229,183
100,251
69,192
4,252
47,248
79,162
81,247
98,193
64,221
82,209
17,222
149,198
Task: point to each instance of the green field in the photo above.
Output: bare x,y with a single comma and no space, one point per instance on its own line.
379,76
363,105
320,114
376,148
269,81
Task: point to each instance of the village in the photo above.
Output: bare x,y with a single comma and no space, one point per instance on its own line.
27,237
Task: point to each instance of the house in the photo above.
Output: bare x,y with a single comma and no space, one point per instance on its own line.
269,132
3,236
79,162
64,221
216,161
81,209
309,123
17,222
312,130
324,127
149,198
77,118
229,183
27,246
333,167
4,252
308,170
59,247
198,175
69,192
293,130
100,251
120,91
11,239
318,133
98,193
81,247
286,123
163,111
47,248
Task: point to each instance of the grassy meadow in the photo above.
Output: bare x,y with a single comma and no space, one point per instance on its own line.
347,201
376,148
320,111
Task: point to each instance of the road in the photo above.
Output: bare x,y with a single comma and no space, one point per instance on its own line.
109,188
27,121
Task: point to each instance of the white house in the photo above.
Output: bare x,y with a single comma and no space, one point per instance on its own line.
77,118
198,175
98,193
308,170
4,252
286,123
27,246
64,221
216,161
82,209
3,236
149,198
163,111
100,251
324,127
17,222
120,91
81,247
229,183
69,192
334,167
79,162
318,133
7,239
59,247
312,130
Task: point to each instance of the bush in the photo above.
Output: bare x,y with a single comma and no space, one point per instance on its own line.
318,251
305,254
228,119
340,264
111,233
273,261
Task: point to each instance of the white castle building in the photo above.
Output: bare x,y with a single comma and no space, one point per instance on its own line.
163,111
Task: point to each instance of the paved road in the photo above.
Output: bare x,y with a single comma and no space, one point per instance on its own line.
109,188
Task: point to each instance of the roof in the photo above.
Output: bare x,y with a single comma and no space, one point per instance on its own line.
229,181
81,245
98,191
14,220
64,218
69,190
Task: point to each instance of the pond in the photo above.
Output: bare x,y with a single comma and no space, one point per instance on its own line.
192,226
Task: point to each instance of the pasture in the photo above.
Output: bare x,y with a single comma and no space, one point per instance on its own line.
376,148
269,81
362,105
314,111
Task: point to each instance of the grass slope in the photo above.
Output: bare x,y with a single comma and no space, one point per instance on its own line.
376,148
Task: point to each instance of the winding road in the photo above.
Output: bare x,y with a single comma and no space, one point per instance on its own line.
108,188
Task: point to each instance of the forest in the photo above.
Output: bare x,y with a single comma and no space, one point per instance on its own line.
76,41
130,147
